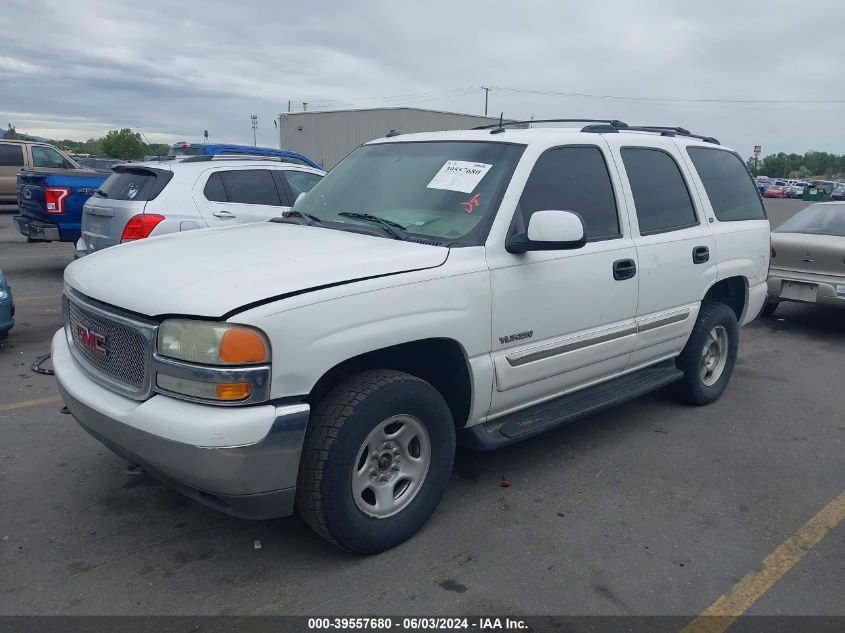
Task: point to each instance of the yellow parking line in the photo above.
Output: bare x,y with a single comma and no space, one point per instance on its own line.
30,403
721,614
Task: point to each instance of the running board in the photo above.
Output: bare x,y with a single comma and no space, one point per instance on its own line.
542,417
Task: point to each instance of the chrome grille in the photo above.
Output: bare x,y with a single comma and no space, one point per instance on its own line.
127,346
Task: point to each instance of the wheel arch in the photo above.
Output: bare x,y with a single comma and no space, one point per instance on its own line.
732,291
442,362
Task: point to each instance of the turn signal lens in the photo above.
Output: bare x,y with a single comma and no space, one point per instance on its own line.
242,346
233,391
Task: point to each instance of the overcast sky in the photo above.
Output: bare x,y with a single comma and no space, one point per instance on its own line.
172,69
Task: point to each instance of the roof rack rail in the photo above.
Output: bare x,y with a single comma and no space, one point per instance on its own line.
657,129
502,124
203,158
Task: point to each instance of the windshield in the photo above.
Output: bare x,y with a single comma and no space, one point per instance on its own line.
818,219
445,192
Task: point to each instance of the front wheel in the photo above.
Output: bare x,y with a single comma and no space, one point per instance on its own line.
377,457
709,356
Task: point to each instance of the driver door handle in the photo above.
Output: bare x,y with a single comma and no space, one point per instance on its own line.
224,215
624,269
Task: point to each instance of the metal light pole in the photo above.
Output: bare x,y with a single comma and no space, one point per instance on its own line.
254,122
486,96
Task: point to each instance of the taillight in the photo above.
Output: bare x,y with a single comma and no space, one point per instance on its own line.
140,226
54,197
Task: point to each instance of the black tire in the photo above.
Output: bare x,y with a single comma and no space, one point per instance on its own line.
4,334
692,388
769,308
338,428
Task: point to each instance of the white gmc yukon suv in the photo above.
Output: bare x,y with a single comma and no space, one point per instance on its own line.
472,287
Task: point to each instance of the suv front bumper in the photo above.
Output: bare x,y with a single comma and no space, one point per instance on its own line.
256,480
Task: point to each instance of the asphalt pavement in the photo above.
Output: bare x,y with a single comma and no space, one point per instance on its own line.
649,508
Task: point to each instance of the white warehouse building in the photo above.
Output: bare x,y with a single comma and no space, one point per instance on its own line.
328,136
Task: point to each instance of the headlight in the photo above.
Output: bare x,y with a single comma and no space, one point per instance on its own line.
3,293
218,363
212,343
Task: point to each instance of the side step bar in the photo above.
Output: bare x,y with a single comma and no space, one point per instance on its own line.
542,417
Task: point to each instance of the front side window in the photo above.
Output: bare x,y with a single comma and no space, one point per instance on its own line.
660,193
47,157
300,181
11,155
444,191
573,179
250,186
728,184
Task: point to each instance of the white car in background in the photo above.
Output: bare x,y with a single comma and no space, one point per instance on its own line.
141,200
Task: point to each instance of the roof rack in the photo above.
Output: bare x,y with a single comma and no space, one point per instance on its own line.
502,124
657,129
203,158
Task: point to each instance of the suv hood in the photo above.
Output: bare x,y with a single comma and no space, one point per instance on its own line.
212,272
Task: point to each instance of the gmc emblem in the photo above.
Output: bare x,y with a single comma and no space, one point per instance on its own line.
94,341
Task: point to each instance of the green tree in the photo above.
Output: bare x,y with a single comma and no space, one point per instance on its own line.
124,144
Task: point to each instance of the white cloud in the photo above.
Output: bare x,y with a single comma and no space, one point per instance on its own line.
174,69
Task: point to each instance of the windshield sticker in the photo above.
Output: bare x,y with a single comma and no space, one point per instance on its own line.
470,204
459,175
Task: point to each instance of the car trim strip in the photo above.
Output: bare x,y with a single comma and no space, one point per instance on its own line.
520,358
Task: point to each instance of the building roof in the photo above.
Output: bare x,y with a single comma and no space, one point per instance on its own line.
477,116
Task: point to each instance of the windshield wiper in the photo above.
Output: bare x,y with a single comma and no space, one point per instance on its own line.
102,193
312,219
394,228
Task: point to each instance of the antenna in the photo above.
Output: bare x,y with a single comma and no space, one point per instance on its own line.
501,127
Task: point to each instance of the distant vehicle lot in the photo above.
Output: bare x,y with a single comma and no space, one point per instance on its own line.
650,507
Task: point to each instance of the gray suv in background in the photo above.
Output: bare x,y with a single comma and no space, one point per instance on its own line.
141,200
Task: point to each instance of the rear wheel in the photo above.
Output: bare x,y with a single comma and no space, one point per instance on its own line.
709,356
377,457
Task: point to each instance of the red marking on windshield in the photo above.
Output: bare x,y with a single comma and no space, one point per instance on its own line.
470,204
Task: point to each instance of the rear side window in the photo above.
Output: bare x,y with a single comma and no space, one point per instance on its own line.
300,181
47,157
134,184
573,179
250,186
660,194
214,189
728,184
11,155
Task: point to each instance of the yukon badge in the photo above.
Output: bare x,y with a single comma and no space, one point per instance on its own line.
510,338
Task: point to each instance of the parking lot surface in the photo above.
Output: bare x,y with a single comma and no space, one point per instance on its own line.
648,508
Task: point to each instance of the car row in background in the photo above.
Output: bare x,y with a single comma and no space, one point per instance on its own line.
806,264
814,191
140,200
50,194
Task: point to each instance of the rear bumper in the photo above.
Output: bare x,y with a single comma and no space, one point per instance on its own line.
255,480
36,229
828,292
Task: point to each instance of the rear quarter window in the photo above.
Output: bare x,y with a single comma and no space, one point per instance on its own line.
728,184
11,155
134,184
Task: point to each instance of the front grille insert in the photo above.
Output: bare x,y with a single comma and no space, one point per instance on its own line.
112,347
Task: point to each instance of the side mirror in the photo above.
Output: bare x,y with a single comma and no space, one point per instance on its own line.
299,197
549,231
